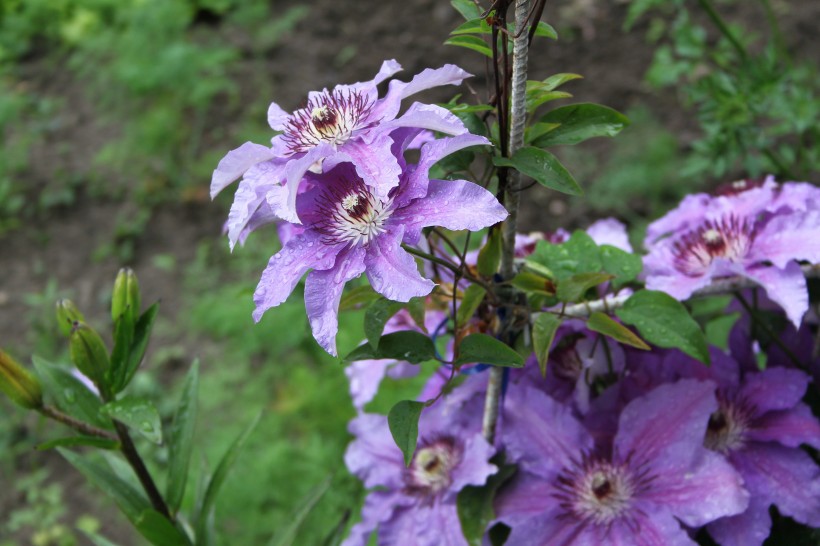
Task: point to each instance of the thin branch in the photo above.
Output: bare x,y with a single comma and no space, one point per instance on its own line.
80,426
129,450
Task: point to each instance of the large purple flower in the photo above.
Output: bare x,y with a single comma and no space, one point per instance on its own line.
759,426
654,475
416,505
349,230
760,246
348,123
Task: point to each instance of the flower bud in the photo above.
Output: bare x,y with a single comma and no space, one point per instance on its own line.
19,384
67,316
126,295
88,353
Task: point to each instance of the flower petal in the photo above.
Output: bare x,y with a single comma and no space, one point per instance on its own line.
287,266
786,287
789,237
277,117
236,162
323,292
452,204
609,231
426,116
295,171
364,377
373,456
475,466
374,162
388,107
774,388
379,507
393,272
750,528
790,428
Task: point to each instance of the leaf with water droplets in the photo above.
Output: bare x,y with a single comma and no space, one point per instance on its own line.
579,122
407,345
69,393
487,350
543,167
604,324
138,414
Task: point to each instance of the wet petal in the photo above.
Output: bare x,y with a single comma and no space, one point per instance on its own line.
786,287
323,292
774,388
750,528
393,272
236,162
374,162
427,116
475,465
277,117
388,107
791,428
789,237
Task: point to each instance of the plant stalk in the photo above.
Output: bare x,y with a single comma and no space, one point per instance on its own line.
80,426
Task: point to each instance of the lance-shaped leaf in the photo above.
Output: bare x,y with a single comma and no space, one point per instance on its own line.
470,42
604,324
490,254
543,334
472,298
159,531
287,535
475,504
579,254
623,265
533,283
543,167
70,394
180,439
573,288
579,122
467,8
142,334
377,316
121,353
413,347
487,350
138,414
73,441
403,421
664,321
358,297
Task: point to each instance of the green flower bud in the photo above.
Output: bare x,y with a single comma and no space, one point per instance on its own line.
67,316
19,384
89,354
126,295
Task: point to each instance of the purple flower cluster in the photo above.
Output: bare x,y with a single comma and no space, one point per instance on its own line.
338,176
754,229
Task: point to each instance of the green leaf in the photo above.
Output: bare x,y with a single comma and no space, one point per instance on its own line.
159,531
543,167
533,283
664,321
475,504
180,440
69,393
287,535
72,441
416,308
543,334
623,265
604,324
138,414
545,30
130,500
472,298
468,9
470,42
403,421
123,340
413,347
377,316
358,297
142,334
537,97
537,130
490,254
579,254
580,122
220,475
572,289
473,26
487,350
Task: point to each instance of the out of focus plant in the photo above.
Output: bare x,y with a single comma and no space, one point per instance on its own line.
755,101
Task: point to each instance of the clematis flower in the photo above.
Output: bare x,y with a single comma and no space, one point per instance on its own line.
416,505
654,475
349,123
760,247
349,230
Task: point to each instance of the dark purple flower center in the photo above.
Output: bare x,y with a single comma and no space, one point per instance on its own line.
329,117
430,472
730,239
566,361
349,213
727,426
597,491
739,186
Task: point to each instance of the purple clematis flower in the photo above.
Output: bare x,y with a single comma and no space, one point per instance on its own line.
348,230
654,475
416,505
762,247
349,123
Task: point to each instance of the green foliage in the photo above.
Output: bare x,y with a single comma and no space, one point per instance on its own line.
487,350
403,421
475,503
407,345
543,167
543,333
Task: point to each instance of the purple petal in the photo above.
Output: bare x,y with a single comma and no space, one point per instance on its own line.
373,456
610,231
540,433
393,272
287,231
790,428
423,525
431,153
296,169
452,204
388,107
774,388
277,117
710,490
475,467
427,116
379,507
323,292
786,287
526,496
790,237
785,476
246,202
236,162
660,275
388,68
654,528
690,212
648,429
374,162
364,377
750,528
286,267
